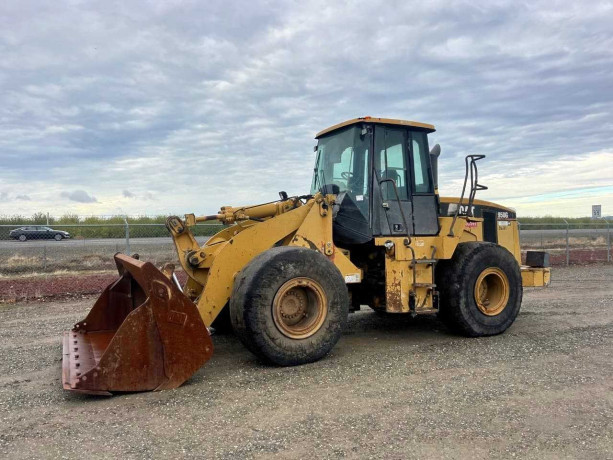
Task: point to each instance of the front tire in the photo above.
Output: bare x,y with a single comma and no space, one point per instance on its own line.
481,289
57,237
289,306
22,237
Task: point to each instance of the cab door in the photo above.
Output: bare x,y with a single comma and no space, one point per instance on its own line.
392,210
424,200
403,202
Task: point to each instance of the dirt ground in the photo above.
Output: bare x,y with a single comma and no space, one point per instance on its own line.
392,388
56,286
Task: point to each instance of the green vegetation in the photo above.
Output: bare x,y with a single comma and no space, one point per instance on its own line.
101,227
153,226
545,222
72,219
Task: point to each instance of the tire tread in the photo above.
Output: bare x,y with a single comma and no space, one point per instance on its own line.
255,286
457,310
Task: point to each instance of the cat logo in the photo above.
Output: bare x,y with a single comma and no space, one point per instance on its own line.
453,207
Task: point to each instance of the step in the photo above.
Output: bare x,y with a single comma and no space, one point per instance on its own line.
425,261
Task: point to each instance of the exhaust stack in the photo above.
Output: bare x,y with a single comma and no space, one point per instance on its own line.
434,154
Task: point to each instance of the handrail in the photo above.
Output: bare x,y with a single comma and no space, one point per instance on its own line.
474,187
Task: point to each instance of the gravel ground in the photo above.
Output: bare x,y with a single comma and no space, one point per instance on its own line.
392,388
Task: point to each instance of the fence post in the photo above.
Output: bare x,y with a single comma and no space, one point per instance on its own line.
125,219
608,239
567,246
542,246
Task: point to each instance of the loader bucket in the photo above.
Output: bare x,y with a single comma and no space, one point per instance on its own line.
142,334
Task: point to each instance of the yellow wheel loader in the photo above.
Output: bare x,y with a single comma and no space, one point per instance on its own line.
373,232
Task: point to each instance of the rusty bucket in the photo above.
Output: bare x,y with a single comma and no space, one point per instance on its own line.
142,334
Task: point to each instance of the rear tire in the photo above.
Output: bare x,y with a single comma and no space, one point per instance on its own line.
480,289
289,306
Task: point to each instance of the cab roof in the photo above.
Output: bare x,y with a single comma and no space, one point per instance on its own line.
384,121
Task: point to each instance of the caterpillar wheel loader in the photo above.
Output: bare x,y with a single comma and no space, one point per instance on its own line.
373,231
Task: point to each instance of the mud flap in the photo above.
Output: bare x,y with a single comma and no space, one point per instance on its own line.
142,334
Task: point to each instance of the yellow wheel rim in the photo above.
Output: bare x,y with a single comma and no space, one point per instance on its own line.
492,291
300,308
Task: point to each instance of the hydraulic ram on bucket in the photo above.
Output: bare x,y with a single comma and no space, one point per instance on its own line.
142,334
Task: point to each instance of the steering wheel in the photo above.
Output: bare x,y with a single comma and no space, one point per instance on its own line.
346,175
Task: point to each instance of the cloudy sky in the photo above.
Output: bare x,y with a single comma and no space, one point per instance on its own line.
182,106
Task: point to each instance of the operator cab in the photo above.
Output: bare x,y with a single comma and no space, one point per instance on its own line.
381,172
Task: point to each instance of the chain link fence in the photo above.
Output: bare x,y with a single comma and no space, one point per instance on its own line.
569,243
83,247
90,247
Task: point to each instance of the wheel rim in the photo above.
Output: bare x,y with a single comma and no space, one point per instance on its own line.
58,237
492,291
300,308
22,238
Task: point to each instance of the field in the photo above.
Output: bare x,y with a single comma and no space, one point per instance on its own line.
392,388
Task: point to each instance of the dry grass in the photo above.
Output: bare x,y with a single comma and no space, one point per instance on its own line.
19,260
59,272
560,243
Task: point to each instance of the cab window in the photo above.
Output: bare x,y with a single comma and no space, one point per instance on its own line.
390,162
421,162
342,161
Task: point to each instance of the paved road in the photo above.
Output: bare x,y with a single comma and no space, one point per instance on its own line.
89,242
528,235
571,231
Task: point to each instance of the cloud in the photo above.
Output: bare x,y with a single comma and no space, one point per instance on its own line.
80,196
203,105
128,194
23,198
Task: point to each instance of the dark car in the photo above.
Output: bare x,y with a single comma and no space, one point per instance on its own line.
38,233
